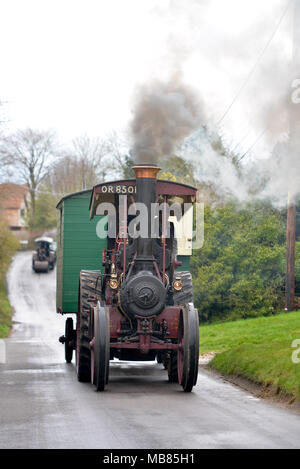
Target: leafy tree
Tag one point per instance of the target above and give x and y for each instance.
(8, 247)
(167, 176)
(46, 213)
(126, 166)
(240, 271)
(179, 168)
(297, 273)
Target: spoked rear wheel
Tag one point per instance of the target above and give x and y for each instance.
(188, 352)
(69, 340)
(100, 350)
(83, 353)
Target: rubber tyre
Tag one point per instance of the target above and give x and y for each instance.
(101, 348)
(83, 352)
(188, 356)
(181, 298)
(69, 337)
(186, 295)
(89, 289)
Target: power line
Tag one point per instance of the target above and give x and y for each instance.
(255, 65)
(253, 145)
(242, 140)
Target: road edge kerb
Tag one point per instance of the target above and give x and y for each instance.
(265, 393)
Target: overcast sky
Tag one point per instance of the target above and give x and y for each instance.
(73, 65)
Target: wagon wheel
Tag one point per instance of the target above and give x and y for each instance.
(69, 340)
(100, 350)
(188, 351)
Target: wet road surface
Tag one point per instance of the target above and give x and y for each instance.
(43, 406)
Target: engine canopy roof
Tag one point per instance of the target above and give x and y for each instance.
(106, 192)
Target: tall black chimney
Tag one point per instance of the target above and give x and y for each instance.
(146, 178)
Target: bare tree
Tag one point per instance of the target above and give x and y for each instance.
(2, 122)
(119, 150)
(80, 167)
(29, 153)
(65, 176)
(91, 156)
(88, 161)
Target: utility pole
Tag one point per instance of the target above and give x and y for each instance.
(294, 137)
(290, 256)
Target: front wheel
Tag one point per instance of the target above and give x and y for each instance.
(188, 352)
(100, 349)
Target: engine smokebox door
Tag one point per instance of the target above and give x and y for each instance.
(143, 295)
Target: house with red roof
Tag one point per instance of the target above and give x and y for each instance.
(14, 200)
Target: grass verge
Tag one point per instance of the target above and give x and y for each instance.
(258, 349)
(5, 311)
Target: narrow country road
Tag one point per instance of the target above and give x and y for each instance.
(43, 406)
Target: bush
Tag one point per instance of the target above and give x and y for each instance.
(8, 247)
(240, 271)
(45, 211)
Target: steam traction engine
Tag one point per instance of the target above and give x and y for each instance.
(139, 307)
(44, 257)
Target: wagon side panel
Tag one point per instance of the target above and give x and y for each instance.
(82, 249)
(59, 259)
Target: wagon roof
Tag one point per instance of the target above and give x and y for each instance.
(73, 194)
(101, 192)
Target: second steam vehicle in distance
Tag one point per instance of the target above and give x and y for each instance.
(44, 256)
